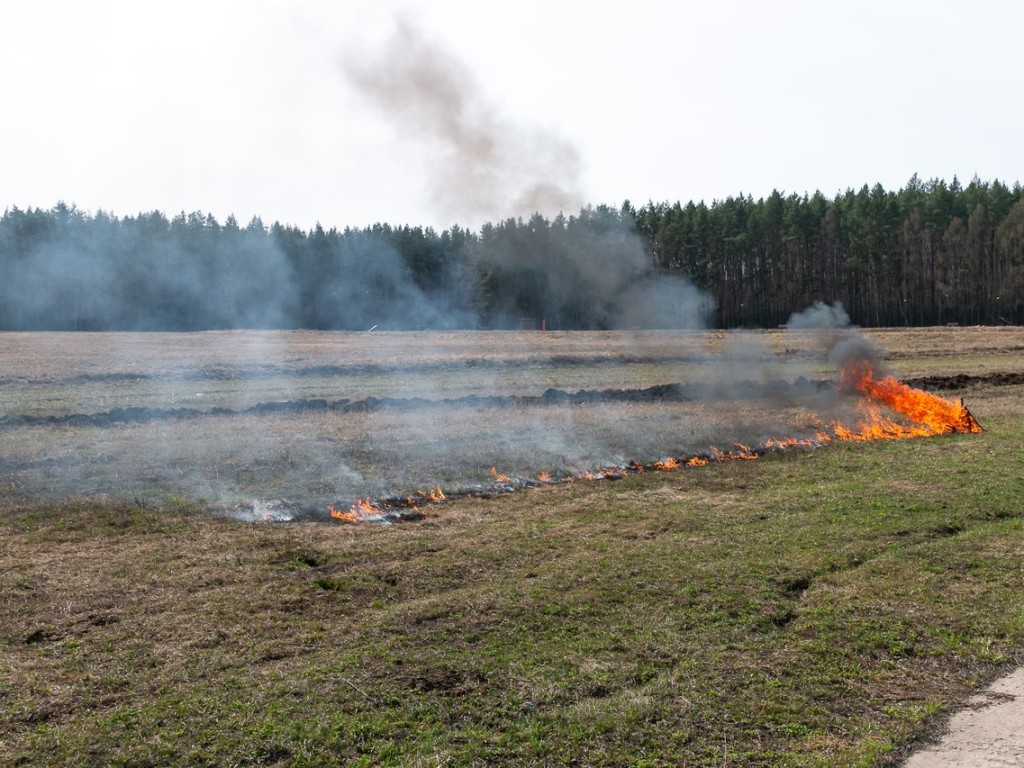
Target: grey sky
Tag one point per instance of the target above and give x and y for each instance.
(251, 107)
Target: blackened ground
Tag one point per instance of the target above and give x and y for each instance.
(667, 393)
(967, 381)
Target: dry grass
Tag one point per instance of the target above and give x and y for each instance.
(315, 459)
(56, 356)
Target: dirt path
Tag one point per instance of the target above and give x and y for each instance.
(987, 733)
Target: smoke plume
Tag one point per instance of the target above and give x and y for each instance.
(480, 165)
(819, 316)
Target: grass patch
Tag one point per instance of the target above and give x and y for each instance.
(813, 608)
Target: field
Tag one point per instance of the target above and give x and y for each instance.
(815, 607)
(295, 422)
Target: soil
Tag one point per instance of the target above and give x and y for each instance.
(966, 381)
(987, 733)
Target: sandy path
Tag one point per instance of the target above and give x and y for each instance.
(987, 733)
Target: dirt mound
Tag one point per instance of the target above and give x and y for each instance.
(967, 381)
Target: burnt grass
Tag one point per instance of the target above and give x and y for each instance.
(802, 387)
(667, 393)
(810, 608)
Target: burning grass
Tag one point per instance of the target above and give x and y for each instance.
(247, 419)
(313, 459)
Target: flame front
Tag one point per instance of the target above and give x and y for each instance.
(356, 513)
(923, 415)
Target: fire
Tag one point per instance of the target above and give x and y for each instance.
(923, 413)
(743, 452)
(434, 495)
(931, 414)
(356, 513)
(920, 414)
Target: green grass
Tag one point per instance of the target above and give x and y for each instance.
(808, 609)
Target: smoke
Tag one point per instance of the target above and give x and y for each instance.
(480, 165)
(65, 270)
(142, 273)
(273, 423)
(854, 348)
(370, 284)
(819, 316)
(590, 271)
(844, 345)
(302, 443)
(665, 302)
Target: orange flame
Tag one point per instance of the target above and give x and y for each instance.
(356, 513)
(664, 465)
(434, 495)
(544, 477)
(931, 414)
(744, 452)
(498, 478)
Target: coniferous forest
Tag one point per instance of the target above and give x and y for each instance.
(929, 253)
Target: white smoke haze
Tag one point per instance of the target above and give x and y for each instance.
(277, 424)
(664, 301)
(480, 165)
(819, 316)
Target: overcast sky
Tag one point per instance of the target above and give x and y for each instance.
(348, 113)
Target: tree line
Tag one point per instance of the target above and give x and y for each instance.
(929, 253)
